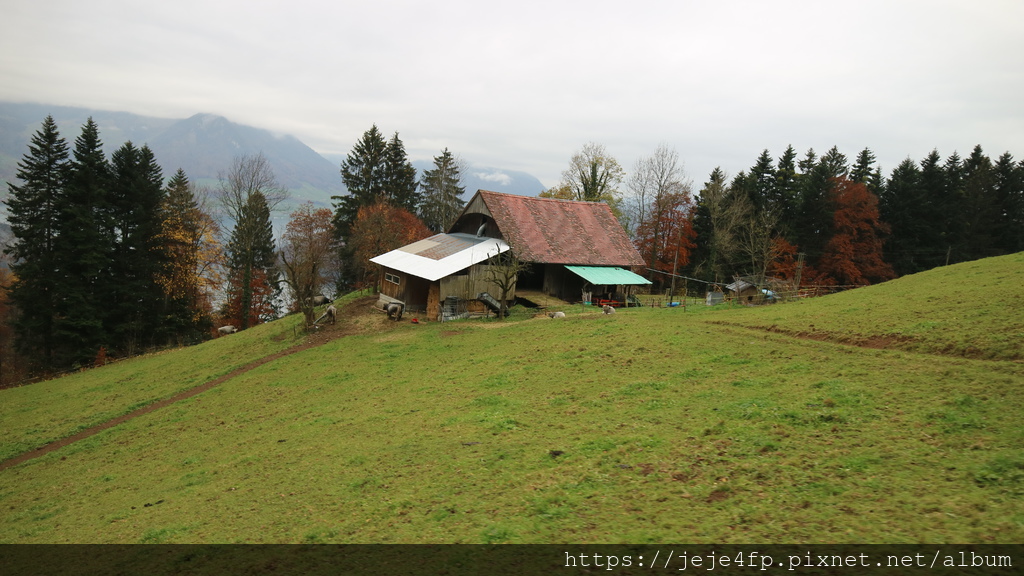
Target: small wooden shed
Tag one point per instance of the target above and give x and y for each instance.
(424, 274)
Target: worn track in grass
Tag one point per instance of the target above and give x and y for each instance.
(876, 342)
(350, 324)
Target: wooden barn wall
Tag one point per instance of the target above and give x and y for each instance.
(467, 286)
(474, 214)
(433, 311)
(561, 283)
(389, 288)
(410, 289)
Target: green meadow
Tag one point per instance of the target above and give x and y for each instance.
(887, 414)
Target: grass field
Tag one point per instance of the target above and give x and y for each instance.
(885, 414)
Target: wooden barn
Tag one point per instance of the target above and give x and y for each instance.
(574, 250)
(444, 267)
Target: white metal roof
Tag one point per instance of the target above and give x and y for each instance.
(441, 255)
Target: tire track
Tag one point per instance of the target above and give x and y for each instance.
(312, 341)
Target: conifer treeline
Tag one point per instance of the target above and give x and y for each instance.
(853, 225)
(105, 260)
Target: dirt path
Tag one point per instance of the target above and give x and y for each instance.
(353, 319)
(875, 342)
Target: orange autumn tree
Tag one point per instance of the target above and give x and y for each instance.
(784, 264)
(380, 228)
(193, 261)
(667, 237)
(853, 255)
(259, 293)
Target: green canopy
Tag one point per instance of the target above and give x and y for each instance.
(607, 275)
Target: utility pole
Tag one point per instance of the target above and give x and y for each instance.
(799, 270)
(675, 264)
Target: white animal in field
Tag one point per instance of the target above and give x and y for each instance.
(318, 300)
(608, 309)
(225, 330)
(556, 315)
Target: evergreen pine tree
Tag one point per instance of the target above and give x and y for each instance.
(902, 205)
(1008, 229)
(981, 211)
(83, 250)
(400, 185)
(33, 216)
(954, 231)
(364, 173)
(442, 193)
(762, 183)
(813, 224)
(862, 170)
(251, 258)
(934, 242)
(834, 163)
(786, 192)
(133, 222)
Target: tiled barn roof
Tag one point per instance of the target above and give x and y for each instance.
(553, 231)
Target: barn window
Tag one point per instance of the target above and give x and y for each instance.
(393, 278)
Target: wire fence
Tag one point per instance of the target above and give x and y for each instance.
(716, 294)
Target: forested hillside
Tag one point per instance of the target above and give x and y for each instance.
(825, 220)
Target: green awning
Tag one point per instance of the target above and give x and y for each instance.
(607, 275)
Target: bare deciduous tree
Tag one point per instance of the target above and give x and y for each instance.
(249, 174)
(593, 175)
(757, 240)
(727, 211)
(248, 194)
(503, 270)
(657, 183)
(308, 255)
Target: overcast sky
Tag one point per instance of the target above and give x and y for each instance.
(523, 85)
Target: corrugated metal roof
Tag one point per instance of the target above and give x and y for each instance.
(553, 231)
(607, 276)
(441, 255)
(739, 286)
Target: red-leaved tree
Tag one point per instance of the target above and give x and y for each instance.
(853, 256)
(261, 308)
(667, 237)
(785, 263)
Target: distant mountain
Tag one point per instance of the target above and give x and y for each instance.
(203, 145)
(18, 122)
(493, 179)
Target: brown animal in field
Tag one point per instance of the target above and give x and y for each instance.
(395, 311)
(332, 313)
